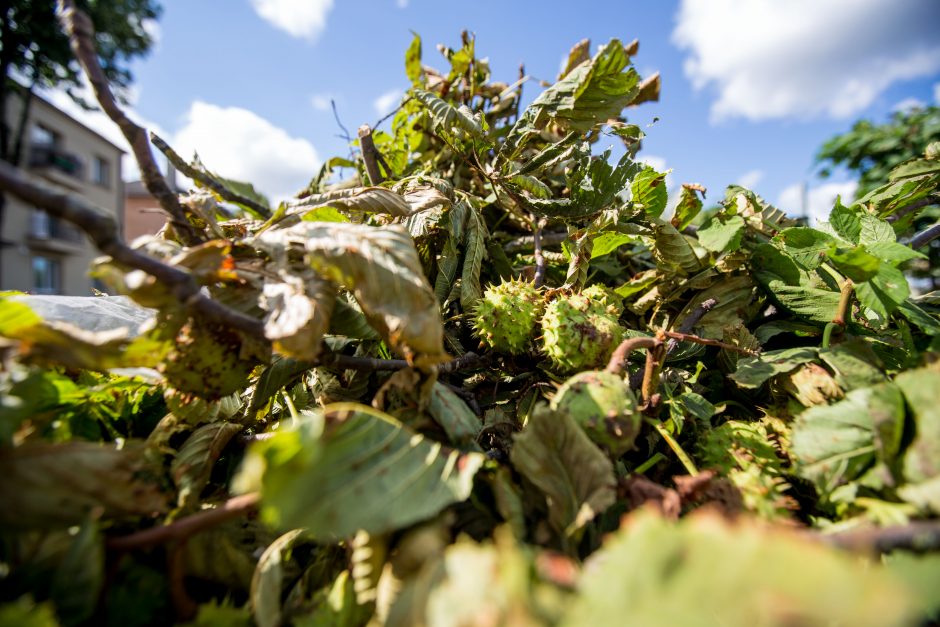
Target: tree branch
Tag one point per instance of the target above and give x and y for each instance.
(102, 230)
(685, 337)
(81, 34)
(691, 320)
(206, 179)
(914, 206)
(527, 242)
(918, 536)
(618, 360)
(925, 237)
(185, 527)
(370, 154)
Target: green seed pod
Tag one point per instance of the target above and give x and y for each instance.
(605, 407)
(506, 316)
(206, 362)
(578, 334)
(610, 302)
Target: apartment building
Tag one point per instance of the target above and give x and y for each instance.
(40, 254)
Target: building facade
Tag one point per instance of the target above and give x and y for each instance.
(40, 254)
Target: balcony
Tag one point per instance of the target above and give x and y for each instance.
(51, 234)
(58, 165)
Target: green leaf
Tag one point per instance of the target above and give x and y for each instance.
(919, 574)
(576, 478)
(673, 250)
(922, 460)
(590, 94)
(353, 467)
(752, 372)
(834, 444)
(381, 267)
(25, 613)
(593, 188)
(79, 577)
(807, 247)
(722, 235)
(918, 317)
(336, 606)
(530, 184)
(875, 231)
(846, 222)
(460, 424)
(470, 290)
(609, 241)
(856, 263)
(649, 191)
(688, 208)
(894, 253)
(413, 60)
(884, 292)
(268, 580)
(40, 490)
(816, 305)
(193, 463)
(446, 117)
(705, 571)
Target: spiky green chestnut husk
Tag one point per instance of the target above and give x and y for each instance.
(605, 408)
(607, 299)
(577, 334)
(206, 362)
(506, 316)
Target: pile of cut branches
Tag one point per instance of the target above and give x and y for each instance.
(487, 377)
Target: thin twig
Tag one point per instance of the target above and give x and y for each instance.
(925, 237)
(81, 34)
(183, 528)
(392, 112)
(918, 536)
(691, 320)
(372, 364)
(206, 179)
(346, 136)
(102, 230)
(685, 337)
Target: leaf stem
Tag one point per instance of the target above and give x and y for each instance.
(681, 454)
(619, 358)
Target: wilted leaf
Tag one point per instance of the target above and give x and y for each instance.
(576, 478)
(452, 414)
(56, 485)
(688, 207)
(705, 571)
(381, 267)
(470, 290)
(674, 251)
(357, 468)
(299, 306)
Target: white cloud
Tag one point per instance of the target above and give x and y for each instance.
(749, 180)
(304, 19)
(909, 103)
(804, 58)
(818, 200)
(320, 102)
(401, 4)
(239, 144)
(387, 101)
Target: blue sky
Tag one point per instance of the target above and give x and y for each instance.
(751, 88)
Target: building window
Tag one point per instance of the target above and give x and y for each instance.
(47, 275)
(41, 226)
(101, 172)
(42, 136)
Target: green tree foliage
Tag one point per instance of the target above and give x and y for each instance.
(872, 151)
(35, 51)
(371, 448)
